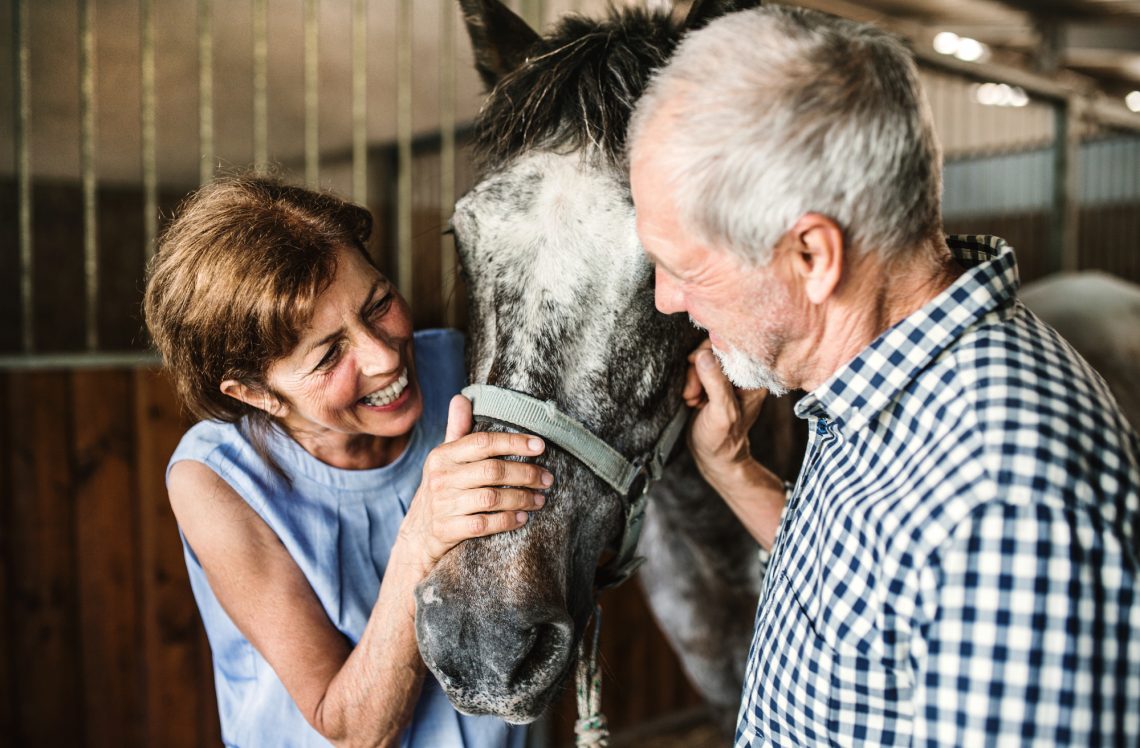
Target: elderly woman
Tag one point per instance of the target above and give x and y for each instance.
(331, 470)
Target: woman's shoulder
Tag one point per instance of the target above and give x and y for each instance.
(208, 441)
(440, 343)
(228, 450)
(440, 365)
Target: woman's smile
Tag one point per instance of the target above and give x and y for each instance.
(391, 397)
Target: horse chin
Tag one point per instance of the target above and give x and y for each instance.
(521, 705)
(499, 619)
(490, 659)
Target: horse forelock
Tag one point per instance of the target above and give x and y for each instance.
(577, 89)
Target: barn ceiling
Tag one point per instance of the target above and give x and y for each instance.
(1091, 46)
(1098, 40)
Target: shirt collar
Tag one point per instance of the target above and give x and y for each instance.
(865, 385)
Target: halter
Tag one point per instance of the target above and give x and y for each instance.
(545, 420)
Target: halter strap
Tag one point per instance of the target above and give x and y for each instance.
(546, 420)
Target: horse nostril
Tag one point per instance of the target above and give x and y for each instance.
(544, 654)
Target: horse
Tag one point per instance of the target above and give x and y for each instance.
(560, 300)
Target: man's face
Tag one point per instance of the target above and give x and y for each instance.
(748, 310)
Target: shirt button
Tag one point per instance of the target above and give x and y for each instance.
(821, 427)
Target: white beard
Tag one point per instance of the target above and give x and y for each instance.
(748, 373)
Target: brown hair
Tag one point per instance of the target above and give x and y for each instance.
(234, 283)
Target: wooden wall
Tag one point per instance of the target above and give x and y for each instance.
(100, 641)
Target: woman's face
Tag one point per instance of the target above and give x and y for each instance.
(353, 372)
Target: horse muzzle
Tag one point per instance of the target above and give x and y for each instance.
(491, 657)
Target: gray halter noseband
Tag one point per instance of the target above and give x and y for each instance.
(545, 420)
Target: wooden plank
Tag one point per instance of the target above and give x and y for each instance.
(7, 686)
(121, 268)
(427, 301)
(42, 606)
(58, 281)
(107, 557)
(11, 303)
(170, 638)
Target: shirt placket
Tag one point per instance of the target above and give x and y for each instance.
(818, 438)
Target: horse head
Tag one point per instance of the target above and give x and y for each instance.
(560, 300)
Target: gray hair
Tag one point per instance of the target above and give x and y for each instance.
(776, 112)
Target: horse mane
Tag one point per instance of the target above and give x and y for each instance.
(577, 88)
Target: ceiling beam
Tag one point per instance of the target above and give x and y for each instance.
(1079, 91)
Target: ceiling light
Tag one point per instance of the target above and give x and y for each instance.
(969, 50)
(1132, 101)
(946, 42)
(1001, 94)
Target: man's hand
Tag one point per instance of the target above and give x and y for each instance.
(718, 431)
(718, 441)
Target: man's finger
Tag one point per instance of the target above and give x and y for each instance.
(751, 401)
(722, 398)
(693, 391)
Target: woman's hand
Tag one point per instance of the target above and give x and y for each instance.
(463, 494)
(718, 430)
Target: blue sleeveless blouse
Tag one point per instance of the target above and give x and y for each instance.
(339, 526)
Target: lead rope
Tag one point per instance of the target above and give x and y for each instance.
(590, 730)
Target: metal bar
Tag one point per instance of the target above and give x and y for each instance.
(23, 172)
(312, 100)
(205, 92)
(447, 158)
(1064, 252)
(260, 85)
(360, 102)
(94, 359)
(148, 104)
(404, 149)
(87, 170)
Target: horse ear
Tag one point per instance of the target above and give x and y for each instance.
(499, 38)
(703, 11)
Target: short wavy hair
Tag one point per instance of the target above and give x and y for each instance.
(776, 112)
(234, 282)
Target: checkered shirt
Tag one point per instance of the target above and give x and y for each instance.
(958, 560)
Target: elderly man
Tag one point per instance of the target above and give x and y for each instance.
(957, 562)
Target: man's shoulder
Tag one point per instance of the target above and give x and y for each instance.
(1044, 424)
(1017, 369)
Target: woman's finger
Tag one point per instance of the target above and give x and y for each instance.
(498, 499)
(483, 444)
(459, 418)
(500, 473)
(479, 525)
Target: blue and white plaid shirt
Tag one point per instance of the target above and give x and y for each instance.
(957, 564)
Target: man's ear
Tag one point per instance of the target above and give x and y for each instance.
(255, 397)
(817, 246)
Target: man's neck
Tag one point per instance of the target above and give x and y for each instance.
(874, 296)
